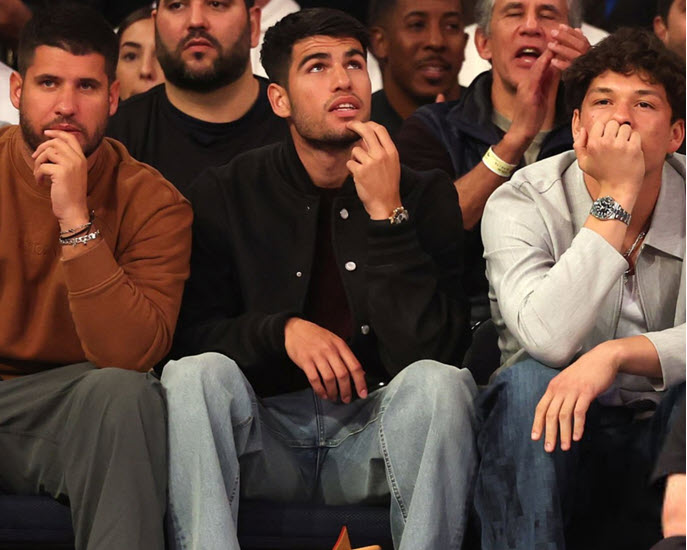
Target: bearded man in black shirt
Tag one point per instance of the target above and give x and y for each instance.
(323, 268)
(211, 107)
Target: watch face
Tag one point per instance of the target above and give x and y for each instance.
(606, 208)
(603, 208)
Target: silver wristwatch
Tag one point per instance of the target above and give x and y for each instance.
(607, 208)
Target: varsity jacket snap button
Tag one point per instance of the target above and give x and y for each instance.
(350, 266)
(365, 329)
(299, 274)
(343, 213)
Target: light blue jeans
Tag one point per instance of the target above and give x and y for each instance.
(411, 442)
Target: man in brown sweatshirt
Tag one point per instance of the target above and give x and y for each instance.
(94, 252)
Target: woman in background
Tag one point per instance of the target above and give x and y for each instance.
(137, 67)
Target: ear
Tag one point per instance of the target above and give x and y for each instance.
(660, 28)
(378, 43)
(576, 123)
(254, 20)
(113, 97)
(677, 131)
(279, 100)
(482, 43)
(16, 84)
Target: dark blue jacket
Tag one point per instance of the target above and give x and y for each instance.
(454, 136)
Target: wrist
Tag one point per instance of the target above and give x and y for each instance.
(615, 351)
(73, 219)
(512, 147)
(624, 197)
(382, 211)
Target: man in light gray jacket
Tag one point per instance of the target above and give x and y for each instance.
(584, 258)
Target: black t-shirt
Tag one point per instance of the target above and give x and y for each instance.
(180, 146)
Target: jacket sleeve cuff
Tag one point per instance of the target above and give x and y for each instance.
(277, 328)
(670, 346)
(392, 244)
(90, 269)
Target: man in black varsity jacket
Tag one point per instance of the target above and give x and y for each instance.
(323, 268)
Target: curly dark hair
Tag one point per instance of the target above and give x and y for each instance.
(280, 38)
(628, 51)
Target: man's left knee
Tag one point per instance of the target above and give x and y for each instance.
(437, 388)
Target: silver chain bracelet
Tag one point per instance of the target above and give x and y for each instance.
(83, 239)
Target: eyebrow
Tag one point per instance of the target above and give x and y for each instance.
(322, 55)
(602, 90)
(424, 14)
(512, 5)
(43, 76)
(131, 44)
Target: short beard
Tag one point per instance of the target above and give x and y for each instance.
(226, 69)
(330, 142)
(323, 139)
(34, 139)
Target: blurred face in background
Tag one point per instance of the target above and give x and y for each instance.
(421, 47)
(518, 34)
(672, 30)
(137, 68)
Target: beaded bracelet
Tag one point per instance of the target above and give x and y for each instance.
(497, 165)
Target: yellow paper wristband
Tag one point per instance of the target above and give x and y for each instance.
(500, 167)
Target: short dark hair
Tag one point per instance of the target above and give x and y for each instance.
(378, 11)
(628, 51)
(134, 17)
(279, 39)
(662, 8)
(75, 28)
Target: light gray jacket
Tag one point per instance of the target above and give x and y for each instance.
(556, 288)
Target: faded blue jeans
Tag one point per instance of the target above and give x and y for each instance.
(597, 495)
(411, 442)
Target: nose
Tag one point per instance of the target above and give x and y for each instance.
(435, 36)
(197, 18)
(341, 80)
(66, 104)
(531, 24)
(622, 114)
(148, 69)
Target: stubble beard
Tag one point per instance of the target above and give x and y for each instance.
(226, 69)
(318, 135)
(33, 138)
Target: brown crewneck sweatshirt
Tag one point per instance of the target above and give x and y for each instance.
(116, 304)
